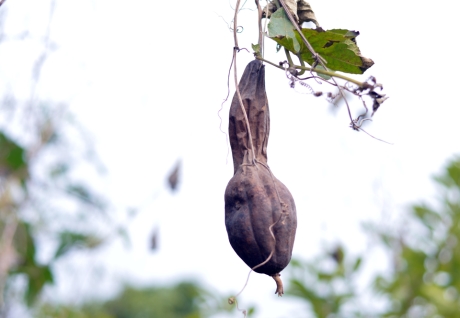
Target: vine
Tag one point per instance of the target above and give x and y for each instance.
(324, 54)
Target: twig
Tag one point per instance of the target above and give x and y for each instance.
(264, 31)
(235, 49)
(260, 42)
(375, 137)
(332, 74)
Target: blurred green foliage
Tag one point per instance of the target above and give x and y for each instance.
(41, 197)
(425, 281)
(183, 300)
(326, 283)
(423, 255)
(37, 274)
(40, 201)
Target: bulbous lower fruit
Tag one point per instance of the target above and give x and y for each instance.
(252, 206)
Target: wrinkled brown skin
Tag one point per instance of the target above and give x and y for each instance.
(254, 198)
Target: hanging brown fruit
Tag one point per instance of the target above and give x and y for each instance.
(260, 214)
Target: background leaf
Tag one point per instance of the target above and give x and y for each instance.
(12, 157)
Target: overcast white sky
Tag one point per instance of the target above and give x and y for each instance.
(148, 78)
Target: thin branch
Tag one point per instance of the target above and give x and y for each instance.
(235, 49)
(332, 74)
(264, 31)
(375, 137)
(268, 62)
(260, 42)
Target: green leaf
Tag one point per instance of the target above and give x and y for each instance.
(12, 157)
(298, 288)
(37, 276)
(357, 264)
(85, 195)
(451, 177)
(296, 263)
(338, 47)
(280, 28)
(70, 240)
(256, 48)
(24, 243)
(59, 170)
(80, 191)
(428, 217)
(339, 50)
(322, 276)
(123, 233)
(338, 255)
